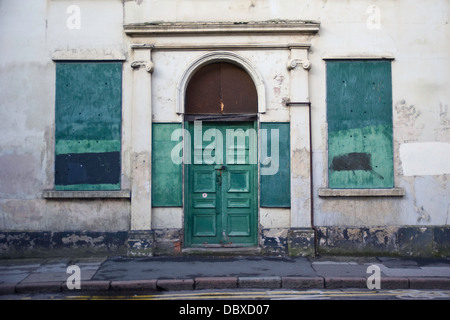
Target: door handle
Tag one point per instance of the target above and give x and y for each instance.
(219, 174)
(219, 178)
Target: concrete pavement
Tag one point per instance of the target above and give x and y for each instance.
(151, 274)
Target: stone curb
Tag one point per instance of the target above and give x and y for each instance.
(134, 285)
(93, 286)
(216, 283)
(38, 287)
(199, 283)
(259, 282)
(395, 283)
(345, 282)
(302, 282)
(175, 284)
(429, 283)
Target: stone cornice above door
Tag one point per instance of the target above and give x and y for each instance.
(297, 27)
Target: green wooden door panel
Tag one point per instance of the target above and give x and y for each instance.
(359, 115)
(205, 225)
(239, 194)
(202, 203)
(238, 181)
(204, 180)
(220, 195)
(238, 225)
(279, 196)
(238, 202)
(166, 175)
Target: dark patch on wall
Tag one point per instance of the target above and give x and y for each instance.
(87, 168)
(353, 161)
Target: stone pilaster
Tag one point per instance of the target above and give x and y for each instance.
(300, 138)
(141, 238)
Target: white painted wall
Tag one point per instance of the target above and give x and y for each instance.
(425, 158)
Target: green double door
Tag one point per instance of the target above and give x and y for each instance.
(221, 185)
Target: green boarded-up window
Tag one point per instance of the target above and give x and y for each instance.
(359, 115)
(88, 125)
(166, 173)
(275, 189)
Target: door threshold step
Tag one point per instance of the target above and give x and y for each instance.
(222, 251)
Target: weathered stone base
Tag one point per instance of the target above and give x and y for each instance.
(168, 241)
(429, 241)
(292, 242)
(414, 241)
(16, 244)
(301, 242)
(274, 241)
(29, 244)
(140, 243)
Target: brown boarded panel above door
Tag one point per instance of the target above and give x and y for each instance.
(221, 88)
(238, 90)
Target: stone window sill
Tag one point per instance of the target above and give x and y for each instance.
(101, 194)
(394, 192)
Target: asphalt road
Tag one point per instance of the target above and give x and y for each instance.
(232, 304)
(253, 295)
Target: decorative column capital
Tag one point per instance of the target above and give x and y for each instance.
(149, 66)
(292, 64)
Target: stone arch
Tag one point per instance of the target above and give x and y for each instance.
(221, 56)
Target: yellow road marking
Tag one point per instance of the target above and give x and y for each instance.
(246, 295)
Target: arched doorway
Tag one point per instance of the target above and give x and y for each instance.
(221, 88)
(221, 105)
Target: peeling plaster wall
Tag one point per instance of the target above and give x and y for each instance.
(414, 35)
(33, 31)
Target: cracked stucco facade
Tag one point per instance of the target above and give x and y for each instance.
(37, 34)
